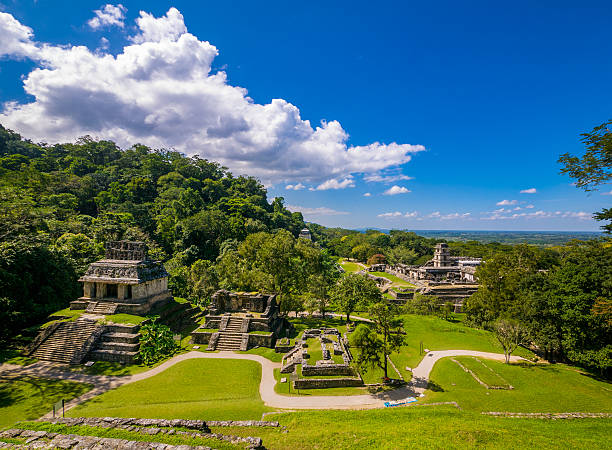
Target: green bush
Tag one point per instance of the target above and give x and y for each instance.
(156, 342)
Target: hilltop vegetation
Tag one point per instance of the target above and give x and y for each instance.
(60, 203)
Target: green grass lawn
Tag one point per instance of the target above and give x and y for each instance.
(396, 281)
(425, 427)
(266, 353)
(483, 370)
(350, 267)
(440, 334)
(29, 398)
(204, 389)
(124, 319)
(537, 388)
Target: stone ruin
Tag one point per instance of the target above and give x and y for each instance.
(332, 343)
(125, 281)
(241, 320)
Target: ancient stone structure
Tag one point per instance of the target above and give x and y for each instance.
(305, 234)
(125, 281)
(243, 320)
(331, 344)
(443, 267)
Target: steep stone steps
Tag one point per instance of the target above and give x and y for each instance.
(103, 308)
(118, 343)
(127, 338)
(65, 343)
(229, 341)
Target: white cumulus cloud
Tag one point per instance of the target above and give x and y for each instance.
(295, 187)
(335, 184)
(107, 16)
(395, 190)
(390, 215)
(320, 211)
(606, 193)
(529, 191)
(161, 91)
(507, 202)
(367, 194)
(378, 178)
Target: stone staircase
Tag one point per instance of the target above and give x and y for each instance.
(101, 308)
(230, 338)
(118, 343)
(66, 343)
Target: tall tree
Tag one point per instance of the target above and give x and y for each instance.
(353, 291)
(384, 337)
(594, 168)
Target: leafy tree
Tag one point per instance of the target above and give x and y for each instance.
(354, 291)
(510, 335)
(382, 339)
(447, 310)
(594, 167)
(363, 252)
(203, 281)
(156, 342)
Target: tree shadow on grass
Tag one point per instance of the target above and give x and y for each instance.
(434, 387)
(40, 393)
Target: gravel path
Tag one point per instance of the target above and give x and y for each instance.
(102, 383)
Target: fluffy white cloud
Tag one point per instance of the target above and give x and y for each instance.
(335, 184)
(507, 202)
(506, 215)
(16, 38)
(378, 178)
(367, 194)
(295, 187)
(529, 191)
(108, 15)
(529, 207)
(397, 214)
(160, 91)
(395, 190)
(450, 216)
(606, 193)
(320, 211)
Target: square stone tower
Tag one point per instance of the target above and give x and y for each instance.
(125, 281)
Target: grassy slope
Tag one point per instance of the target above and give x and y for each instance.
(30, 398)
(396, 281)
(537, 388)
(440, 334)
(433, 427)
(350, 267)
(204, 389)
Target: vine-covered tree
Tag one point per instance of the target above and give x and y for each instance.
(594, 167)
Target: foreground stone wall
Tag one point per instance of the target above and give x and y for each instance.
(327, 369)
(325, 383)
(261, 340)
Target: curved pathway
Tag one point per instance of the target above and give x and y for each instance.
(418, 384)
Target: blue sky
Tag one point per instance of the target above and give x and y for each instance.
(463, 104)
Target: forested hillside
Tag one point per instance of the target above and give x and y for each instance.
(60, 203)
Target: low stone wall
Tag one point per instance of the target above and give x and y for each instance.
(261, 340)
(201, 337)
(325, 383)
(46, 439)
(282, 348)
(327, 369)
(259, 324)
